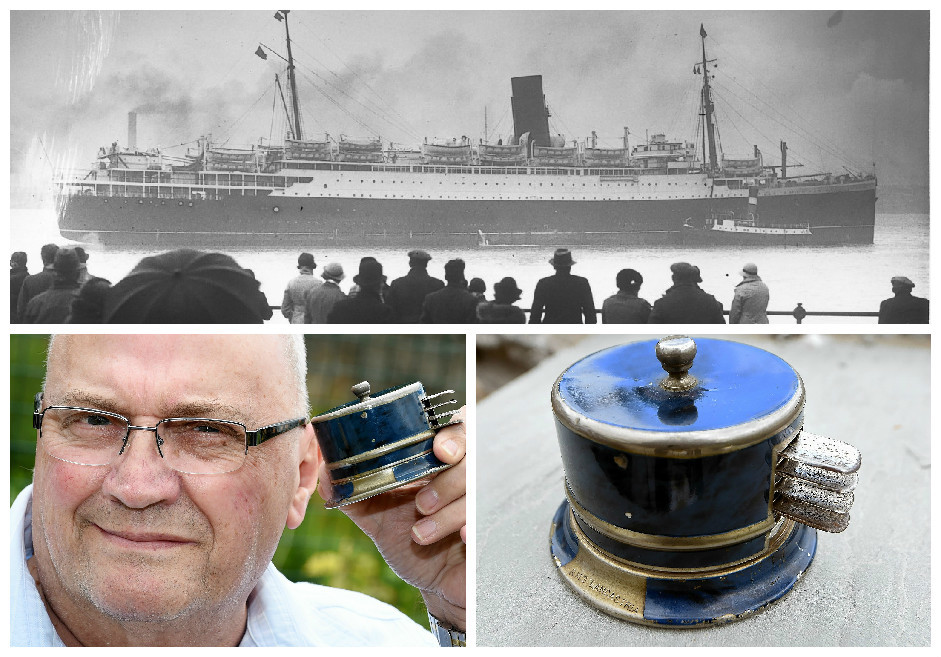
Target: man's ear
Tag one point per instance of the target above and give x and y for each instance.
(310, 459)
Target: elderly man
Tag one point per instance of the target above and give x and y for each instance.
(143, 527)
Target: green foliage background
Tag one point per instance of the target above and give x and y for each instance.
(327, 548)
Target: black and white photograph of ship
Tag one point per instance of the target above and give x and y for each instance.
(631, 135)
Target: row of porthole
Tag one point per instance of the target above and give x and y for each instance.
(519, 184)
(475, 198)
(141, 202)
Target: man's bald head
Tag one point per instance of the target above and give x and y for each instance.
(294, 352)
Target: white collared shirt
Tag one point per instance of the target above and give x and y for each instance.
(280, 612)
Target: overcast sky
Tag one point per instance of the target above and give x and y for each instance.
(848, 88)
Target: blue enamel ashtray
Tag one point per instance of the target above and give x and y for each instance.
(692, 492)
(380, 442)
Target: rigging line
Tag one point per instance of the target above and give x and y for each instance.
(565, 129)
(274, 108)
(375, 111)
(692, 84)
(828, 148)
(735, 127)
(343, 110)
(340, 107)
(368, 103)
(234, 123)
(800, 157)
(365, 107)
(356, 76)
(800, 130)
(496, 129)
(800, 120)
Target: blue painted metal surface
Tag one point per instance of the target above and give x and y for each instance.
(738, 383)
(359, 441)
(661, 512)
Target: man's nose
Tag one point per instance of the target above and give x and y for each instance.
(140, 477)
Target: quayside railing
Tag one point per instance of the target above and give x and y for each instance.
(799, 313)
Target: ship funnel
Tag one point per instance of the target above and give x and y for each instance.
(132, 131)
(529, 110)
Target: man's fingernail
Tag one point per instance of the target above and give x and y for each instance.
(426, 500)
(450, 448)
(424, 529)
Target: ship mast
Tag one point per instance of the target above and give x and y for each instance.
(283, 15)
(707, 105)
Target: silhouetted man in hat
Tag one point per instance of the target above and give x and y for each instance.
(685, 302)
(37, 283)
(367, 306)
(83, 275)
(501, 310)
(54, 305)
(407, 293)
(453, 304)
(903, 308)
(564, 297)
(18, 273)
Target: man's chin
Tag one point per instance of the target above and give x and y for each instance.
(144, 599)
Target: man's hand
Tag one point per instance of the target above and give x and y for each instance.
(420, 528)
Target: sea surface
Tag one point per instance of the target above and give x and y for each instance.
(851, 278)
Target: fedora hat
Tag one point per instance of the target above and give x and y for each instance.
(561, 258)
(370, 272)
(306, 260)
(506, 291)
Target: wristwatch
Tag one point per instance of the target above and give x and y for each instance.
(447, 637)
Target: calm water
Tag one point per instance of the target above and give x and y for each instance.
(850, 278)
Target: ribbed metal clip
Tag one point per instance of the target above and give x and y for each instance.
(815, 480)
(434, 418)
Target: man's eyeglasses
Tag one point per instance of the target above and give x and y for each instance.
(192, 445)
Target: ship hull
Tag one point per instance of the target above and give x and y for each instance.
(835, 216)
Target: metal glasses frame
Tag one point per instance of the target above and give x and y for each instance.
(252, 438)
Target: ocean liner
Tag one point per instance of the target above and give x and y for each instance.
(536, 189)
